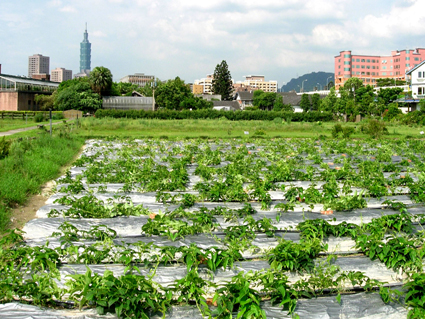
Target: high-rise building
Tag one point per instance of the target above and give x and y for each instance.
(38, 64)
(60, 75)
(258, 82)
(368, 68)
(85, 54)
(203, 86)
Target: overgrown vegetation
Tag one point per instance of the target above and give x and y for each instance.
(29, 163)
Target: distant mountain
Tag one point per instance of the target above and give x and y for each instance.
(311, 83)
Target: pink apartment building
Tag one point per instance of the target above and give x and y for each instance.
(368, 68)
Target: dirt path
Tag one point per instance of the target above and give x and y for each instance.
(19, 130)
(23, 214)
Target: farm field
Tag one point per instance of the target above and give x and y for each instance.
(258, 228)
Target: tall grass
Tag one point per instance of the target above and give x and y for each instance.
(94, 127)
(31, 163)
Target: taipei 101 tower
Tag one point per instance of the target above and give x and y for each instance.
(85, 54)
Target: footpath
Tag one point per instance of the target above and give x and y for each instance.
(18, 130)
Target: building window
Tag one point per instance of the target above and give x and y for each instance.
(420, 90)
(362, 66)
(419, 74)
(357, 60)
(384, 68)
(346, 69)
(363, 60)
(368, 60)
(347, 62)
(407, 64)
(347, 55)
(416, 59)
(357, 73)
(384, 73)
(407, 58)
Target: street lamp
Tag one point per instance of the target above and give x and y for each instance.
(302, 85)
(320, 86)
(327, 82)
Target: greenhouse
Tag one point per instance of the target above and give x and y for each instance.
(17, 83)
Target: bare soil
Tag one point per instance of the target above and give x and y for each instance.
(23, 214)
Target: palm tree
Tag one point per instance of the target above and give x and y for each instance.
(101, 80)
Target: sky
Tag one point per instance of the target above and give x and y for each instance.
(280, 39)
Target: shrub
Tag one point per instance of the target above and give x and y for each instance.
(374, 128)
(39, 117)
(336, 130)
(4, 147)
(58, 116)
(347, 131)
(392, 112)
(260, 131)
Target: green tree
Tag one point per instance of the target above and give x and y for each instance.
(329, 102)
(365, 96)
(305, 102)
(176, 95)
(278, 103)
(100, 79)
(147, 90)
(389, 95)
(77, 95)
(264, 100)
(222, 81)
(315, 101)
(389, 82)
(45, 102)
(352, 85)
(124, 88)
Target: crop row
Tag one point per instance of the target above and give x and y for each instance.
(232, 225)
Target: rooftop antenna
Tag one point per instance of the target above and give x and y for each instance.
(86, 26)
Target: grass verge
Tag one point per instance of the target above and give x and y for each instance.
(31, 163)
(9, 124)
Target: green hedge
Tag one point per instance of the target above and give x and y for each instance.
(213, 114)
(29, 112)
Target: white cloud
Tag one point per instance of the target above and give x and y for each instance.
(399, 21)
(55, 3)
(98, 34)
(330, 35)
(68, 9)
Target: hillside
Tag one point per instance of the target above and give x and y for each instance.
(312, 80)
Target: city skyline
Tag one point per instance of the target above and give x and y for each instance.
(280, 39)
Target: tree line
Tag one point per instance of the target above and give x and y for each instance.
(86, 94)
